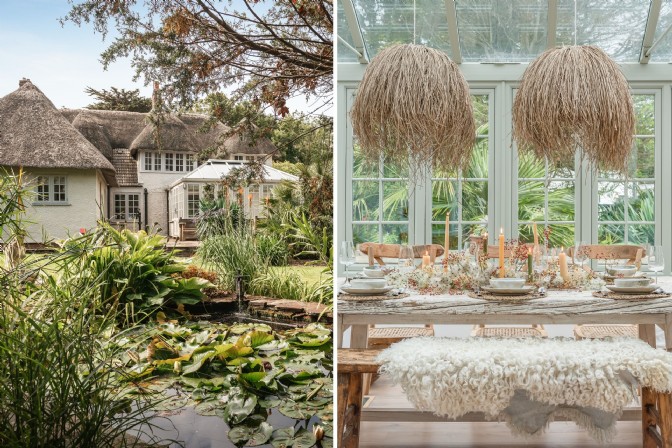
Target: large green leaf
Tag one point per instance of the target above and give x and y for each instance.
(286, 437)
(251, 436)
(239, 407)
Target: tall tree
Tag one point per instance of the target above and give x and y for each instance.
(267, 51)
(119, 99)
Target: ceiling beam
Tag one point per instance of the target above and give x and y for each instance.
(552, 23)
(355, 31)
(453, 31)
(650, 32)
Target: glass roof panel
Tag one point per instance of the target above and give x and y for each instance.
(502, 31)
(343, 53)
(386, 22)
(663, 51)
(616, 26)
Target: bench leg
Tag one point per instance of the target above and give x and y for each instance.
(656, 419)
(343, 386)
(349, 409)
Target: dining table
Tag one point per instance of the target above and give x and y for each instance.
(556, 307)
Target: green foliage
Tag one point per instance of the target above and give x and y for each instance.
(272, 248)
(119, 99)
(309, 239)
(137, 274)
(231, 253)
(239, 373)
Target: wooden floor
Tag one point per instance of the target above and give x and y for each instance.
(473, 435)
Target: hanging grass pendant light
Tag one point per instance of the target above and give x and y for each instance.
(414, 104)
(573, 98)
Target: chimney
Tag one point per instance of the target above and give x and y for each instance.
(22, 81)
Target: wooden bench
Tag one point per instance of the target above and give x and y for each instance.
(187, 230)
(656, 412)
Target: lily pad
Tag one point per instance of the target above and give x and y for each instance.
(239, 407)
(251, 436)
(286, 437)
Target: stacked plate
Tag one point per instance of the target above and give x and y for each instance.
(367, 287)
(508, 287)
(633, 285)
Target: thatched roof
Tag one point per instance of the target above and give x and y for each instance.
(173, 135)
(33, 133)
(243, 143)
(206, 140)
(127, 169)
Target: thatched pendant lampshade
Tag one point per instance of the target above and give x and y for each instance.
(575, 98)
(413, 103)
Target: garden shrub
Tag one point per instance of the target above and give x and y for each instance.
(272, 248)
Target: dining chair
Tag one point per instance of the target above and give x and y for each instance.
(633, 254)
(535, 330)
(383, 337)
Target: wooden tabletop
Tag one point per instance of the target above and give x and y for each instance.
(558, 307)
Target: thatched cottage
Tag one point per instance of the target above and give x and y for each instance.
(87, 165)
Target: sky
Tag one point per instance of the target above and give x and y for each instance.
(61, 60)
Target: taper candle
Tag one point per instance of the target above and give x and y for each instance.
(485, 243)
(426, 261)
(446, 242)
(501, 253)
(562, 261)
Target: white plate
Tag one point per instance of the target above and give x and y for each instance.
(366, 291)
(633, 290)
(509, 291)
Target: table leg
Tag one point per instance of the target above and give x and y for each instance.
(340, 332)
(359, 338)
(667, 329)
(647, 333)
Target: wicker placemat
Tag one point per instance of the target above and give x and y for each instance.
(356, 298)
(617, 296)
(503, 298)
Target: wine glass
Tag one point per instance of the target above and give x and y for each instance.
(656, 260)
(346, 256)
(406, 258)
(581, 253)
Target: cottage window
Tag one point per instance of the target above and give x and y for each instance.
(169, 161)
(179, 162)
(157, 162)
(51, 189)
(126, 207)
(238, 157)
(148, 161)
(42, 189)
(191, 163)
(193, 200)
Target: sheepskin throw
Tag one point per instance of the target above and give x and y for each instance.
(528, 382)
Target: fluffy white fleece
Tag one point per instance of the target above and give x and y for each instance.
(451, 377)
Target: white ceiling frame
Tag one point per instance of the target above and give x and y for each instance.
(355, 31)
(552, 23)
(453, 31)
(650, 32)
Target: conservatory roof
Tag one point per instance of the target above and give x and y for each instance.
(511, 31)
(215, 170)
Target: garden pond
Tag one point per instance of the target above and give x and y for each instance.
(231, 385)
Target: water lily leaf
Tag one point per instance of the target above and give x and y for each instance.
(239, 407)
(270, 402)
(252, 436)
(309, 340)
(242, 328)
(297, 410)
(328, 430)
(210, 407)
(257, 338)
(275, 345)
(285, 438)
(253, 377)
(327, 442)
(326, 414)
(198, 359)
(171, 403)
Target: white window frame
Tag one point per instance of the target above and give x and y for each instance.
(148, 163)
(190, 187)
(51, 193)
(125, 195)
(503, 172)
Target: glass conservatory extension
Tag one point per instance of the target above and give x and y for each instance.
(493, 41)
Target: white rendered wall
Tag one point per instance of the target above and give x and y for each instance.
(80, 211)
(156, 183)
